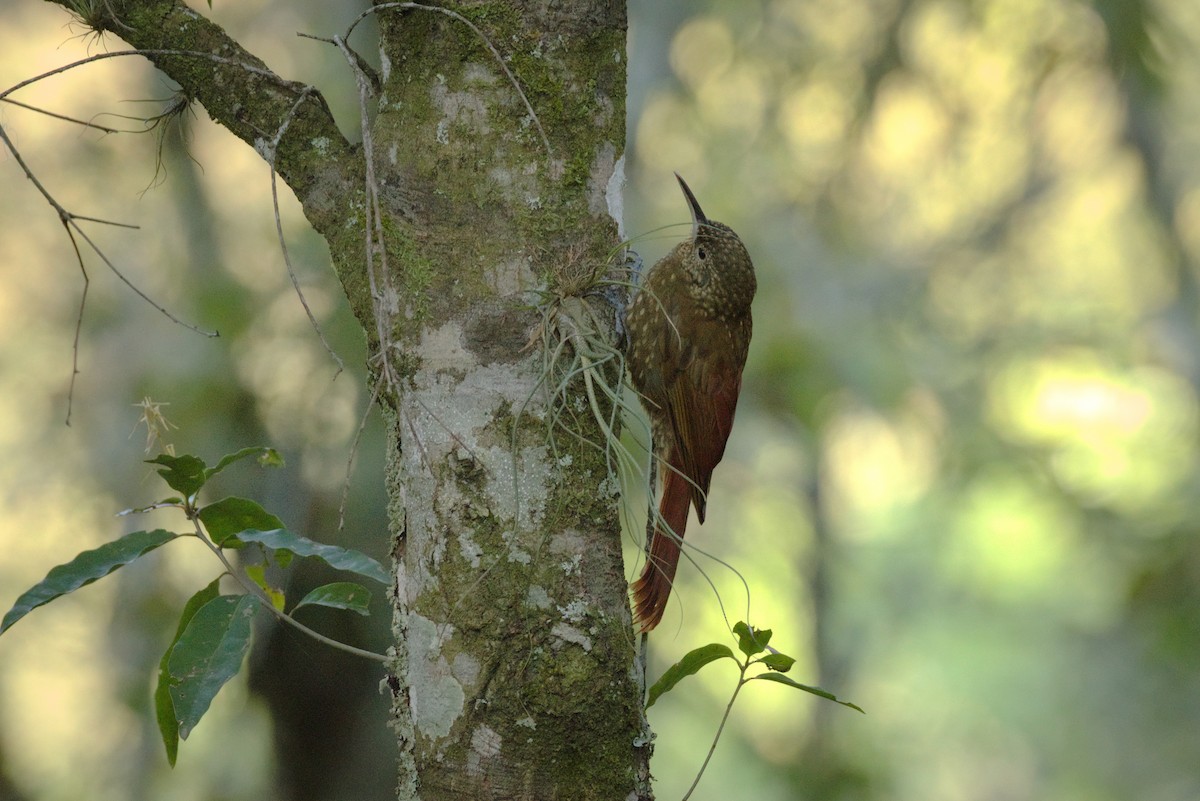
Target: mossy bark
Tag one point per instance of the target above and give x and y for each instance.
(515, 673)
(512, 599)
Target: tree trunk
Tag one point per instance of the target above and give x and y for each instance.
(515, 672)
(511, 603)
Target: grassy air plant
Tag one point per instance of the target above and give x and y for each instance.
(583, 304)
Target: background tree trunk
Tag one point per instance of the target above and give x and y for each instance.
(515, 657)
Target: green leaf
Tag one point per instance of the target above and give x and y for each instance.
(781, 662)
(185, 474)
(341, 558)
(691, 662)
(231, 515)
(84, 569)
(208, 654)
(751, 642)
(267, 457)
(779, 678)
(339, 595)
(258, 574)
(164, 709)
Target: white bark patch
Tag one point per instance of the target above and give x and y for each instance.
(479, 75)
(436, 696)
(520, 185)
(511, 277)
(599, 177)
(448, 424)
(485, 746)
(614, 196)
(465, 107)
(568, 633)
(574, 611)
(569, 543)
(444, 348)
(517, 554)
(469, 549)
(524, 500)
(538, 598)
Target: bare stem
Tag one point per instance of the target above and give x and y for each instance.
(287, 259)
(70, 222)
(63, 117)
(362, 425)
(258, 593)
(384, 301)
(724, 718)
(78, 321)
(108, 263)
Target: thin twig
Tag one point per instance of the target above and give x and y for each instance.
(132, 286)
(362, 425)
(712, 748)
(70, 224)
(373, 226)
(412, 429)
(62, 117)
(63, 214)
(287, 259)
(78, 322)
(113, 223)
(304, 93)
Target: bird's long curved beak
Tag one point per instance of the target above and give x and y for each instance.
(698, 217)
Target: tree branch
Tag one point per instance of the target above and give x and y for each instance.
(241, 93)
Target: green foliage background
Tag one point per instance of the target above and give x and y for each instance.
(961, 483)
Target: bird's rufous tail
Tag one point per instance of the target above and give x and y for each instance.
(653, 587)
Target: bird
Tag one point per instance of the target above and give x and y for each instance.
(688, 333)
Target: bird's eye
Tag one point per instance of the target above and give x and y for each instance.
(700, 254)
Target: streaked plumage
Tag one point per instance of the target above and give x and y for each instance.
(689, 331)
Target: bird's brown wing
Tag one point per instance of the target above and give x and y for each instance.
(702, 400)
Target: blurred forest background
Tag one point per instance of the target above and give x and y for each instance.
(962, 480)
